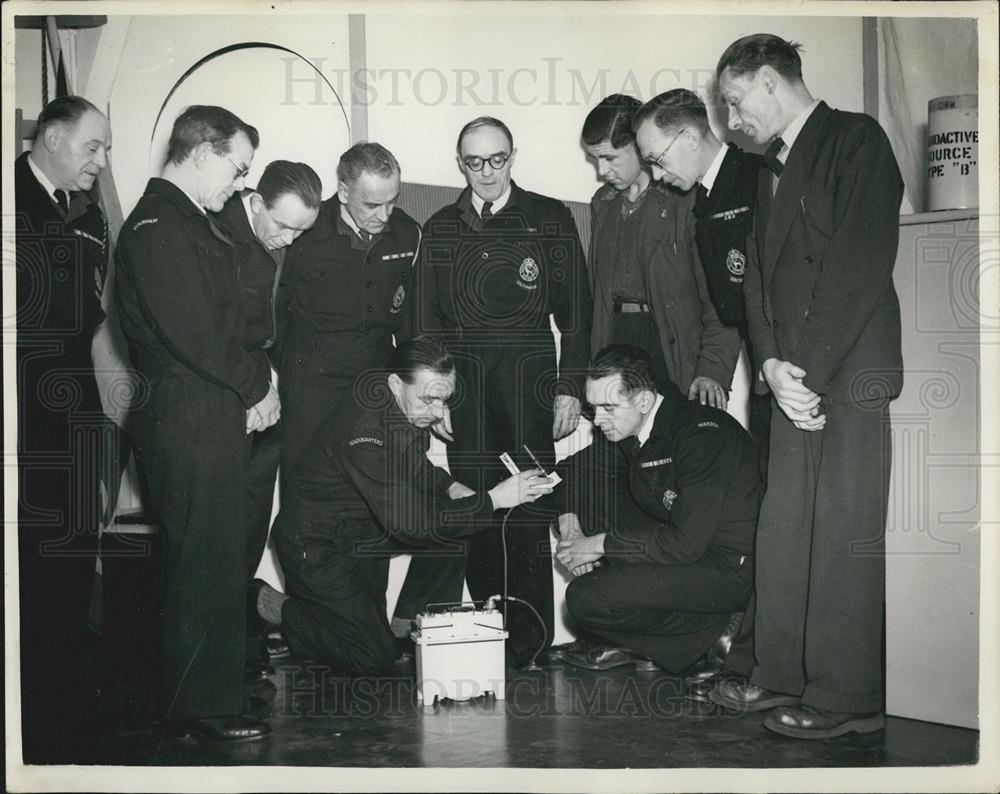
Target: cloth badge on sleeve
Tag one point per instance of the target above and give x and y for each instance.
(668, 498)
(736, 262)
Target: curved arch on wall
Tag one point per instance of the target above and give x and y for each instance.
(282, 128)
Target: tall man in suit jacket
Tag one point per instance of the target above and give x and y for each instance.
(725, 180)
(824, 319)
(62, 255)
(263, 222)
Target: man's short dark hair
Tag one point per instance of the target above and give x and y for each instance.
(373, 158)
(673, 110)
(283, 176)
(632, 364)
(63, 110)
(420, 352)
(484, 121)
(206, 123)
(611, 121)
(748, 54)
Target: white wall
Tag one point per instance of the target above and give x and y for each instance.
(542, 73)
(292, 123)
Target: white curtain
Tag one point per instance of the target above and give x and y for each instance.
(920, 59)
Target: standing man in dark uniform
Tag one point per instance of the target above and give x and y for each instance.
(203, 393)
(348, 294)
(363, 490)
(678, 558)
(824, 320)
(62, 256)
(494, 267)
(262, 223)
(725, 179)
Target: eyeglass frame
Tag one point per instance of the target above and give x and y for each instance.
(659, 157)
(505, 159)
(242, 172)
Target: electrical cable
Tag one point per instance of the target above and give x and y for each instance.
(533, 664)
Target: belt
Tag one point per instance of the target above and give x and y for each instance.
(629, 308)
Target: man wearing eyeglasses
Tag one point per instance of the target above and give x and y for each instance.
(201, 395)
(262, 223)
(672, 129)
(495, 266)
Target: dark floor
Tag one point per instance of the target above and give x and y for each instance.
(558, 717)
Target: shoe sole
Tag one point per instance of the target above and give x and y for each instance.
(866, 725)
(205, 737)
(758, 705)
(594, 667)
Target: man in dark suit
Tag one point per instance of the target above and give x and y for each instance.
(674, 127)
(263, 222)
(62, 255)
(178, 299)
(824, 319)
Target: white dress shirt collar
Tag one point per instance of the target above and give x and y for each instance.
(792, 130)
(499, 204)
(647, 426)
(713, 170)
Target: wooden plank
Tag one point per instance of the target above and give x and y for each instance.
(63, 21)
(357, 52)
(869, 65)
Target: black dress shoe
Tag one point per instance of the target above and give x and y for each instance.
(700, 689)
(602, 657)
(738, 694)
(224, 729)
(276, 646)
(806, 722)
(708, 665)
(557, 652)
(404, 650)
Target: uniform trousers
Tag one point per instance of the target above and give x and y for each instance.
(336, 573)
(338, 374)
(504, 401)
(669, 613)
(821, 559)
(191, 441)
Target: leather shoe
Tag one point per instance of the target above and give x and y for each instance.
(700, 689)
(601, 657)
(807, 722)
(404, 650)
(557, 652)
(224, 729)
(706, 666)
(738, 694)
(276, 646)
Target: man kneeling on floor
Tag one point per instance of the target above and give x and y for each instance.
(363, 490)
(676, 557)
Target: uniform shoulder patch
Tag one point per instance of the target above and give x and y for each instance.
(377, 442)
(144, 222)
(709, 423)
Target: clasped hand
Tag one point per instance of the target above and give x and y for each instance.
(798, 402)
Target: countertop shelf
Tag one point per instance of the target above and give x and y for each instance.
(939, 216)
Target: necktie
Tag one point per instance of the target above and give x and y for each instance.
(62, 201)
(771, 157)
(701, 197)
(487, 212)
